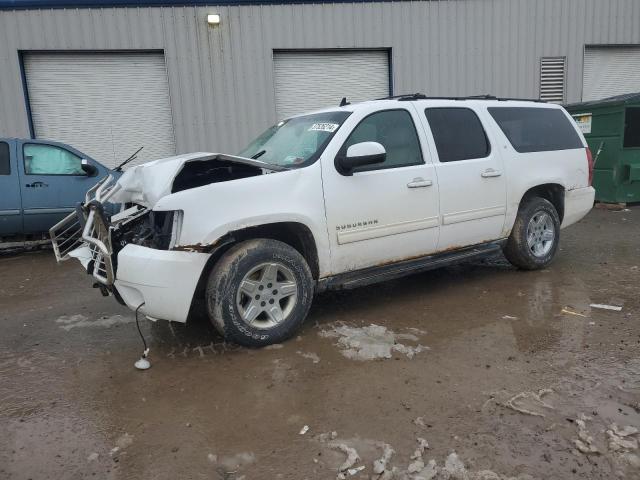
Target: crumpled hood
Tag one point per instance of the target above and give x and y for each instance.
(147, 183)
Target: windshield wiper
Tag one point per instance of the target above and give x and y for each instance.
(258, 155)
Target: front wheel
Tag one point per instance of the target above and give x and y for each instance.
(259, 293)
(535, 235)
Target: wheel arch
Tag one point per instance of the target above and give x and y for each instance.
(295, 234)
(553, 192)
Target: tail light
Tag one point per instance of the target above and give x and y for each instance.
(590, 165)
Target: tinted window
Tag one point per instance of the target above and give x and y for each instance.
(458, 134)
(395, 131)
(632, 127)
(5, 160)
(536, 129)
(50, 160)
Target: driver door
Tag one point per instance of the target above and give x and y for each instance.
(384, 212)
(52, 183)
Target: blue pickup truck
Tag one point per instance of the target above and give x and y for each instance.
(40, 183)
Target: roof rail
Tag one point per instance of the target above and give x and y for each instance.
(407, 97)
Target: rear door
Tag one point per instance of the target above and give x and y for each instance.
(52, 182)
(10, 205)
(470, 176)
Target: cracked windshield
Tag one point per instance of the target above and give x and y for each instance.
(295, 142)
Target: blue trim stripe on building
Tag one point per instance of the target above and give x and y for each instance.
(41, 4)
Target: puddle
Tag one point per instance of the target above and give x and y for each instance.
(372, 342)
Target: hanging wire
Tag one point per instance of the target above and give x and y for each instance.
(144, 342)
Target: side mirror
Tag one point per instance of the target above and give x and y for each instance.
(358, 155)
(89, 169)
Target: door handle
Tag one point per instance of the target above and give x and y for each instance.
(490, 172)
(419, 182)
(36, 185)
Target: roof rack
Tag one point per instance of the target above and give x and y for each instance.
(421, 96)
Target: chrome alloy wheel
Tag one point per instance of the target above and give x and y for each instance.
(541, 233)
(267, 295)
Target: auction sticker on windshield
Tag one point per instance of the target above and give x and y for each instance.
(324, 127)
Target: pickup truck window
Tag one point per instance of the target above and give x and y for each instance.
(42, 159)
(395, 131)
(458, 134)
(5, 161)
(296, 142)
(536, 129)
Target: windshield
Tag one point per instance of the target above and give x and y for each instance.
(295, 142)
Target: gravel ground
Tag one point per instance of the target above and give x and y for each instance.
(500, 373)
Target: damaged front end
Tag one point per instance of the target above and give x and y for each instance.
(144, 239)
(94, 236)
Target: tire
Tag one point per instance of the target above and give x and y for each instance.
(259, 293)
(530, 246)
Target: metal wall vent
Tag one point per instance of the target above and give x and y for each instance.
(552, 79)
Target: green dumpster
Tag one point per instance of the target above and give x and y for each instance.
(612, 129)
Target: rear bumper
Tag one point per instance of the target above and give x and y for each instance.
(577, 203)
(164, 281)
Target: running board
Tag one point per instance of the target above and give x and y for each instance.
(367, 276)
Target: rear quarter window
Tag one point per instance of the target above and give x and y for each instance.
(531, 129)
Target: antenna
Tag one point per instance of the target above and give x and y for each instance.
(130, 159)
(344, 102)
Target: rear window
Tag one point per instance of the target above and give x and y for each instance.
(458, 134)
(5, 167)
(632, 127)
(536, 129)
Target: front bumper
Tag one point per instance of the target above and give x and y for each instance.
(165, 281)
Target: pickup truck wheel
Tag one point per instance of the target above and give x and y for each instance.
(259, 292)
(535, 235)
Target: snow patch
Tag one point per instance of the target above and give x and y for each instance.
(73, 321)
(372, 342)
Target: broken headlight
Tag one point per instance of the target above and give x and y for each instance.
(156, 229)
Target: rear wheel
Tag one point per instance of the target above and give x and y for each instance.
(259, 293)
(535, 235)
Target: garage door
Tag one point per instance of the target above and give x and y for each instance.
(610, 71)
(106, 105)
(316, 79)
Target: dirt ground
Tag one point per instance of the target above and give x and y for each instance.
(513, 371)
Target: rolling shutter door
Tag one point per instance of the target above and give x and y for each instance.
(311, 80)
(610, 71)
(106, 105)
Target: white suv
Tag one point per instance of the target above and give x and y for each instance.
(338, 198)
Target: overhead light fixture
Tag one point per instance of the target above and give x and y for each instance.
(213, 19)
